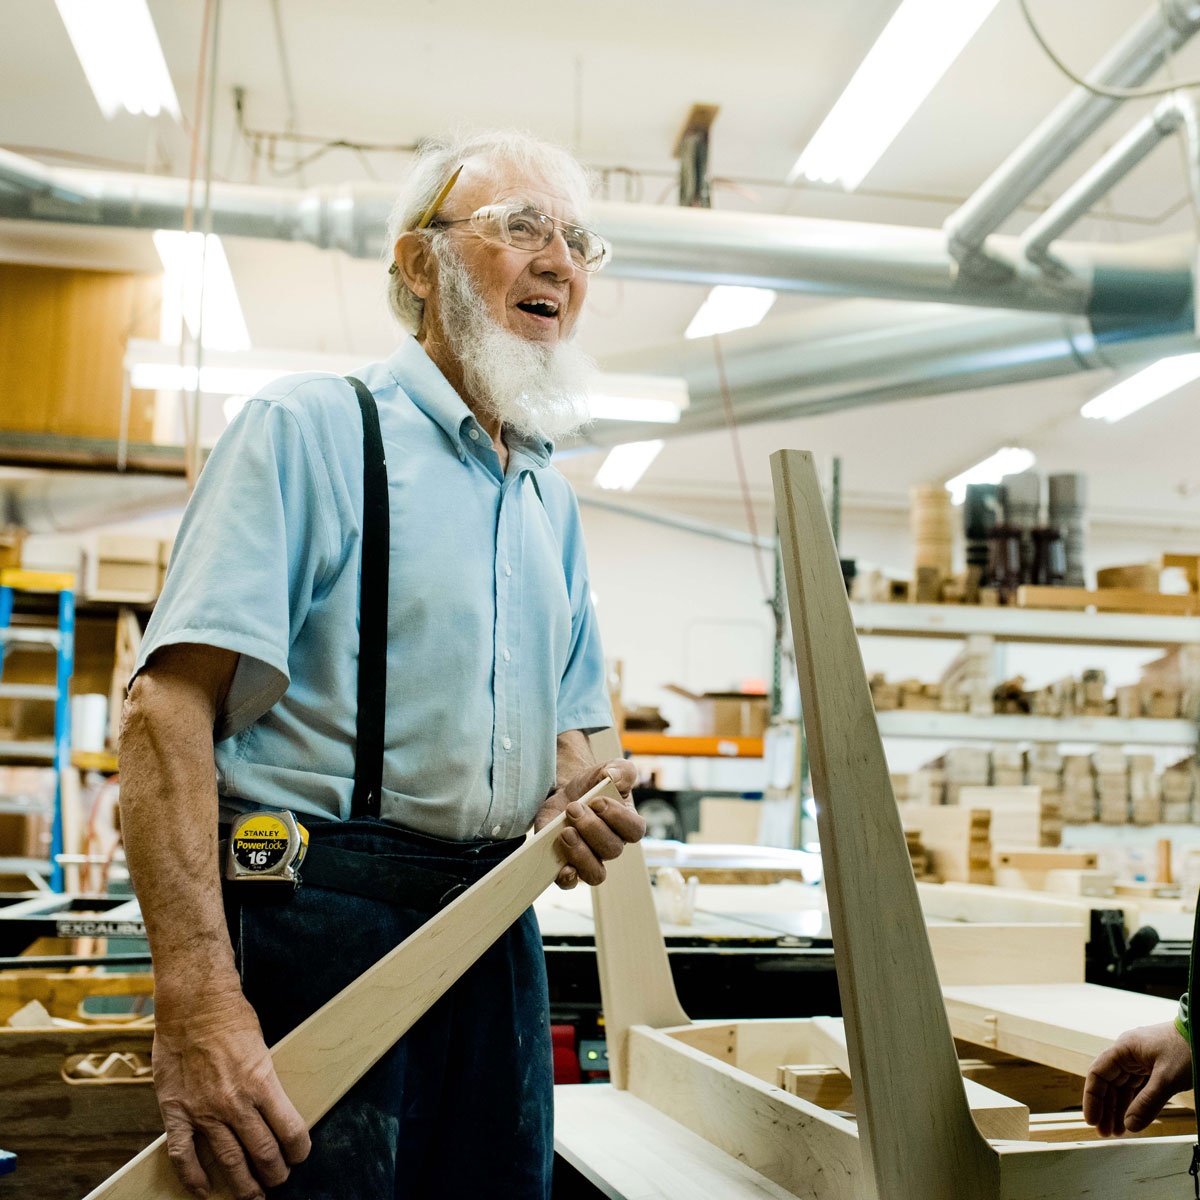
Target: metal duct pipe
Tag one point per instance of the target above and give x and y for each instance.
(863, 352)
(71, 501)
(652, 242)
(1166, 25)
(1173, 112)
(676, 521)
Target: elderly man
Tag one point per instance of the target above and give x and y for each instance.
(460, 588)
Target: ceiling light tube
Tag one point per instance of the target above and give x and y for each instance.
(1011, 460)
(657, 398)
(727, 307)
(1149, 384)
(121, 56)
(910, 56)
(186, 263)
(626, 464)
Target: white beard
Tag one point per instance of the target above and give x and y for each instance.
(536, 390)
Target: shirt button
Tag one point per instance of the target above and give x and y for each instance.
(508, 743)
(473, 434)
(508, 570)
(495, 831)
(507, 656)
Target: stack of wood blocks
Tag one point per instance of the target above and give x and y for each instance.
(1045, 770)
(1021, 816)
(1178, 791)
(1112, 785)
(1078, 790)
(957, 840)
(933, 540)
(965, 766)
(1145, 794)
(966, 682)
(1008, 766)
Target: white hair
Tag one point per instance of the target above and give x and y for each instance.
(438, 158)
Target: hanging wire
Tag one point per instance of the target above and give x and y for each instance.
(1098, 89)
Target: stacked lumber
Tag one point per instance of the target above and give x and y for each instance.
(1178, 790)
(965, 767)
(1112, 785)
(1021, 816)
(957, 840)
(1078, 790)
(966, 682)
(1145, 791)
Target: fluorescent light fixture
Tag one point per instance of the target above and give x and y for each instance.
(1011, 460)
(727, 307)
(185, 263)
(912, 53)
(658, 398)
(217, 381)
(120, 55)
(626, 464)
(155, 366)
(1149, 384)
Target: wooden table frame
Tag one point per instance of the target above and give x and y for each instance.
(914, 1136)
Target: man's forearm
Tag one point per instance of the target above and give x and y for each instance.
(573, 757)
(169, 822)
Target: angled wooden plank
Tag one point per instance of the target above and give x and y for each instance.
(995, 1115)
(322, 1058)
(636, 987)
(919, 1141)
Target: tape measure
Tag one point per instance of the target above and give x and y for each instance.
(265, 851)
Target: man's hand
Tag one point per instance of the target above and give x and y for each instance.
(1130, 1082)
(216, 1085)
(595, 831)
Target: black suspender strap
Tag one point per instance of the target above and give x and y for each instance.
(1194, 1169)
(372, 614)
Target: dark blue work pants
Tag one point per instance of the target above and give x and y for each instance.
(462, 1106)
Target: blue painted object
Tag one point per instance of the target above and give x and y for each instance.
(8, 1162)
(62, 711)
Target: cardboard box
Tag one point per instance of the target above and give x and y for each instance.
(127, 566)
(728, 714)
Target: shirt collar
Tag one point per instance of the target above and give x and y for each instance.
(431, 392)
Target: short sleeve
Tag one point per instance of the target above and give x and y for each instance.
(254, 543)
(583, 691)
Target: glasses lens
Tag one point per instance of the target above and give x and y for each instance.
(526, 228)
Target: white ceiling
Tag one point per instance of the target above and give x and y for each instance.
(615, 80)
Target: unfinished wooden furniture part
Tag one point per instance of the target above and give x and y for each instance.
(912, 1135)
(321, 1059)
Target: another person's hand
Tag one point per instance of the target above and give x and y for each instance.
(1130, 1082)
(219, 1095)
(596, 831)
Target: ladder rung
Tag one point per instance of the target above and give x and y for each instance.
(29, 691)
(23, 635)
(30, 749)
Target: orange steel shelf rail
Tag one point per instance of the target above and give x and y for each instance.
(692, 747)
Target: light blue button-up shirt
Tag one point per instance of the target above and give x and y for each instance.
(493, 647)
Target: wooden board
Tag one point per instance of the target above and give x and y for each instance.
(1108, 600)
(919, 1142)
(1062, 1025)
(630, 1151)
(321, 1059)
